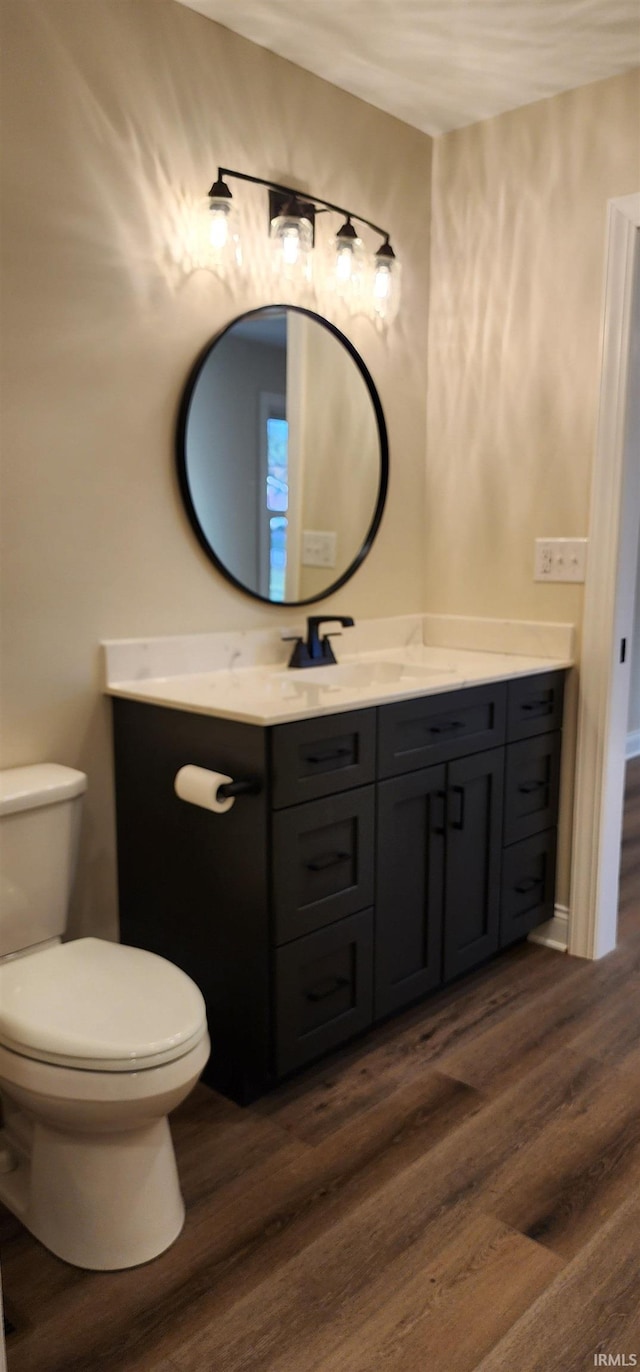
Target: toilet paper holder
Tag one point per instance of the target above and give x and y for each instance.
(214, 791)
(250, 787)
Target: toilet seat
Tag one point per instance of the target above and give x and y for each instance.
(99, 1006)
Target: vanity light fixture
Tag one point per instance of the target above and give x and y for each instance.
(355, 275)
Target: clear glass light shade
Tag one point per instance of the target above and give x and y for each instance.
(347, 267)
(387, 274)
(291, 240)
(224, 245)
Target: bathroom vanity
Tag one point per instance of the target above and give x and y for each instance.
(382, 849)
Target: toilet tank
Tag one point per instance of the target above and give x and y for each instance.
(39, 828)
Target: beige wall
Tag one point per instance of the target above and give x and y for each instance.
(517, 268)
(116, 114)
(518, 238)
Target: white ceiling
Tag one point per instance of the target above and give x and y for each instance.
(440, 64)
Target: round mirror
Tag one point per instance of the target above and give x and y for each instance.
(282, 455)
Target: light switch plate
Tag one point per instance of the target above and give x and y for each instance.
(318, 548)
(560, 559)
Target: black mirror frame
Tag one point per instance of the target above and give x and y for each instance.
(181, 455)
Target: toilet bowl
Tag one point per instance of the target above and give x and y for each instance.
(98, 1043)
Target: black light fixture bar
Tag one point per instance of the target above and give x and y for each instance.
(303, 198)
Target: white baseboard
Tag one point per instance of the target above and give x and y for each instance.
(555, 933)
(633, 744)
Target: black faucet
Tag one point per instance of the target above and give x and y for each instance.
(315, 651)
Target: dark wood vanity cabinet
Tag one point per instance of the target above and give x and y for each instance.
(384, 851)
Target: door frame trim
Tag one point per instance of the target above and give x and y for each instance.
(598, 796)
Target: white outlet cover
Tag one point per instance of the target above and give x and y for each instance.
(319, 548)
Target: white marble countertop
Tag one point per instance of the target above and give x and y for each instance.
(271, 693)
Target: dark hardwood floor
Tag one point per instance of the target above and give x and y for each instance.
(457, 1193)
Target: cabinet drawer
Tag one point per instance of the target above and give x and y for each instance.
(534, 705)
(322, 862)
(324, 990)
(532, 780)
(528, 886)
(317, 757)
(416, 733)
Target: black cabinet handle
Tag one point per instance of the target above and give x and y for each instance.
(440, 828)
(458, 823)
(329, 757)
(536, 705)
(450, 727)
(327, 988)
(530, 885)
(329, 860)
(528, 787)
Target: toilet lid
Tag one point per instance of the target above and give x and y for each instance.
(119, 1008)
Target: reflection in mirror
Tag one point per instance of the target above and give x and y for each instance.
(282, 455)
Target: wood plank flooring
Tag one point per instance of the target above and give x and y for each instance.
(456, 1193)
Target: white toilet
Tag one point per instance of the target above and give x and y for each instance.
(98, 1042)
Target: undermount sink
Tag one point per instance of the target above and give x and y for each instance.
(361, 674)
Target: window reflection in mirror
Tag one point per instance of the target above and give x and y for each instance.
(282, 455)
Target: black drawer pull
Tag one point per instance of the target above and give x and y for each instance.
(329, 860)
(528, 787)
(536, 705)
(530, 885)
(449, 728)
(329, 757)
(327, 988)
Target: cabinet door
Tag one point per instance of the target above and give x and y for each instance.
(410, 870)
(472, 877)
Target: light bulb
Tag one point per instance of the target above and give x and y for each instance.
(344, 263)
(291, 237)
(224, 248)
(290, 246)
(219, 225)
(347, 263)
(386, 283)
(382, 282)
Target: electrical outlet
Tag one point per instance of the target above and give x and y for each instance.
(560, 559)
(318, 548)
